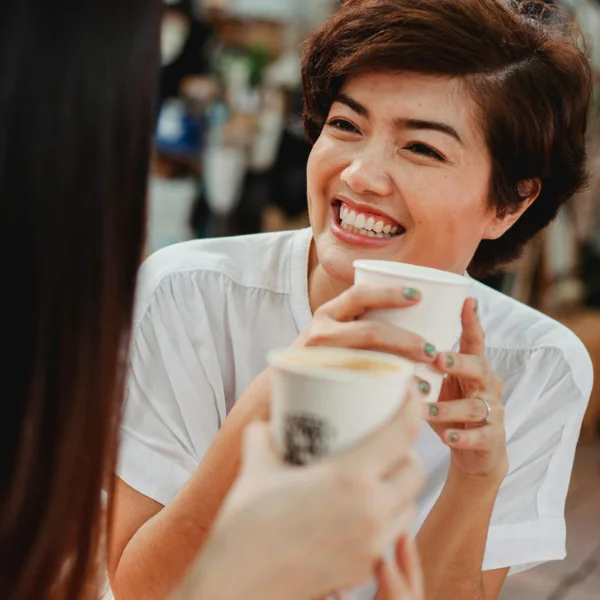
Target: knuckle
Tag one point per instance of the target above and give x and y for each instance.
(479, 437)
(318, 337)
(356, 294)
(366, 333)
(320, 334)
(322, 311)
(499, 411)
(485, 368)
(498, 385)
(476, 411)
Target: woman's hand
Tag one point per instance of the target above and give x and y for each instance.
(469, 416)
(336, 323)
(401, 578)
(300, 533)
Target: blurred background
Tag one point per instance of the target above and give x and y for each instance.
(230, 159)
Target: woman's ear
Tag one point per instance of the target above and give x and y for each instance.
(528, 190)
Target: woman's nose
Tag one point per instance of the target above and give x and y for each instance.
(367, 176)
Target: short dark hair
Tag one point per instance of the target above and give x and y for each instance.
(522, 62)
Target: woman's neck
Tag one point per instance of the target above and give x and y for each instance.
(321, 286)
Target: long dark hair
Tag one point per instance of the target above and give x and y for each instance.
(77, 81)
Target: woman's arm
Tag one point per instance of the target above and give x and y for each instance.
(469, 418)
(453, 537)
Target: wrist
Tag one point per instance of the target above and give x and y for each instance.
(486, 485)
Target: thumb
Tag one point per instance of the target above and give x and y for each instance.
(258, 451)
(472, 340)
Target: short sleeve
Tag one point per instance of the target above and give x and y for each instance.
(174, 384)
(543, 419)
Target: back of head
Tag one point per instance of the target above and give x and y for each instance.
(77, 83)
(519, 60)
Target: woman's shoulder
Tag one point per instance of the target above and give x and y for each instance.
(517, 334)
(203, 267)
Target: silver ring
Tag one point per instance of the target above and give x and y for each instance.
(488, 408)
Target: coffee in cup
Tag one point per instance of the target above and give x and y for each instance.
(325, 400)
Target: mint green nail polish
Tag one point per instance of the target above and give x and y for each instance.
(430, 350)
(424, 387)
(411, 294)
(453, 437)
(449, 361)
(433, 410)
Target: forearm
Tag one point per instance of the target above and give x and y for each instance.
(160, 553)
(452, 539)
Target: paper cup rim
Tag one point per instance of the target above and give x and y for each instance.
(276, 358)
(428, 274)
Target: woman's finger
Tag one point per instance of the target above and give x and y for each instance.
(355, 301)
(472, 340)
(469, 410)
(474, 369)
(392, 585)
(407, 559)
(478, 438)
(372, 335)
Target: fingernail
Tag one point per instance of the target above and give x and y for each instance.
(430, 350)
(475, 306)
(424, 386)
(449, 361)
(411, 293)
(433, 410)
(453, 437)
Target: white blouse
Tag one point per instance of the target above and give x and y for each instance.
(209, 311)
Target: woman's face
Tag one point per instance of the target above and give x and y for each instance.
(400, 172)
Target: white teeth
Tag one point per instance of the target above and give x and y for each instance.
(360, 221)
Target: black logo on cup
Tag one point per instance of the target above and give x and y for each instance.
(306, 438)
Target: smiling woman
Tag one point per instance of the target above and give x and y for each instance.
(446, 133)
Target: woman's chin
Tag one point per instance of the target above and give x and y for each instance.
(338, 261)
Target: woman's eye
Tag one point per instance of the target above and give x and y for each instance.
(343, 125)
(425, 150)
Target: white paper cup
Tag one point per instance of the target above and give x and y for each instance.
(323, 403)
(436, 318)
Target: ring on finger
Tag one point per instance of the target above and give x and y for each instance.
(486, 420)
